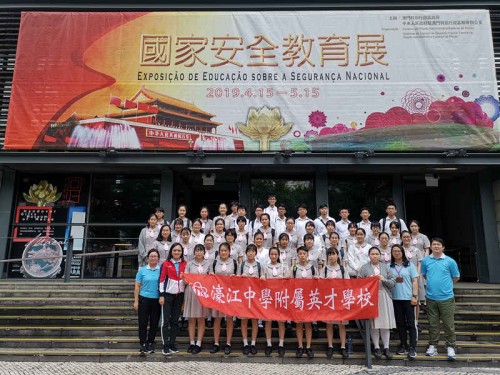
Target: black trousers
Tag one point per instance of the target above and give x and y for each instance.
(149, 313)
(404, 312)
(170, 314)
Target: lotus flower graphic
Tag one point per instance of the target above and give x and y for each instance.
(42, 194)
(264, 125)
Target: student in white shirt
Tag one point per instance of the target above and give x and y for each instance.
(320, 221)
(300, 222)
(234, 214)
(254, 225)
(272, 210)
(342, 224)
(365, 222)
(385, 223)
(280, 220)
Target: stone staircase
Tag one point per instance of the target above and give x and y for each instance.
(94, 321)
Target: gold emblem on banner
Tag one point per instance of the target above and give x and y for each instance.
(264, 125)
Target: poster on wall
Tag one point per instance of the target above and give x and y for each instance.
(412, 80)
(48, 207)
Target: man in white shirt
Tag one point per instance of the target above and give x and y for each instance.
(280, 221)
(234, 214)
(365, 223)
(342, 224)
(272, 210)
(385, 223)
(255, 224)
(300, 222)
(242, 211)
(320, 222)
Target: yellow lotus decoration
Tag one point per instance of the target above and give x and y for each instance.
(42, 193)
(264, 125)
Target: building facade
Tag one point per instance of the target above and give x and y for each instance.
(102, 196)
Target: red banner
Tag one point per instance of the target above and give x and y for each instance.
(299, 300)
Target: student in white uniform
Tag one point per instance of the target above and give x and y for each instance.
(193, 309)
(219, 232)
(236, 250)
(384, 247)
(223, 215)
(419, 240)
(330, 228)
(160, 215)
(242, 236)
(210, 251)
(182, 212)
(250, 268)
(394, 235)
(206, 222)
(385, 223)
(373, 238)
(315, 254)
(342, 224)
(365, 222)
(350, 239)
(280, 220)
(271, 210)
(318, 240)
(242, 212)
(187, 244)
(226, 266)
(335, 270)
(147, 238)
(262, 255)
(275, 270)
(335, 243)
(268, 232)
(234, 214)
(287, 256)
(255, 224)
(163, 243)
(304, 270)
(320, 221)
(176, 233)
(300, 222)
(357, 255)
(197, 235)
(292, 234)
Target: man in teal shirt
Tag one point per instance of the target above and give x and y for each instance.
(441, 272)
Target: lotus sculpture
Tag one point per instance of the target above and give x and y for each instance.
(264, 125)
(42, 193)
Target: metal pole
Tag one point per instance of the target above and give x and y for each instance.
(368, 348)
(69, 258)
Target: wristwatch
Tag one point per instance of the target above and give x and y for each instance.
(414, 296)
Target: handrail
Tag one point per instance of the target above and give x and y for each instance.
(134, 251)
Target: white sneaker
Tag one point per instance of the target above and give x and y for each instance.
(451, 353)
(431, 351)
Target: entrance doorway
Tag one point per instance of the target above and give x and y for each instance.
(196, 189)
(445, 211)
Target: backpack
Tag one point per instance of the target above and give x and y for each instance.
(243, 266)
(294, 271)
(341, 270)
(234, 264)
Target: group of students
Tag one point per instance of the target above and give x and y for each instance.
(275, 246)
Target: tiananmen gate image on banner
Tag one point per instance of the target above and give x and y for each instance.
(298, 300)
(255, 81)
